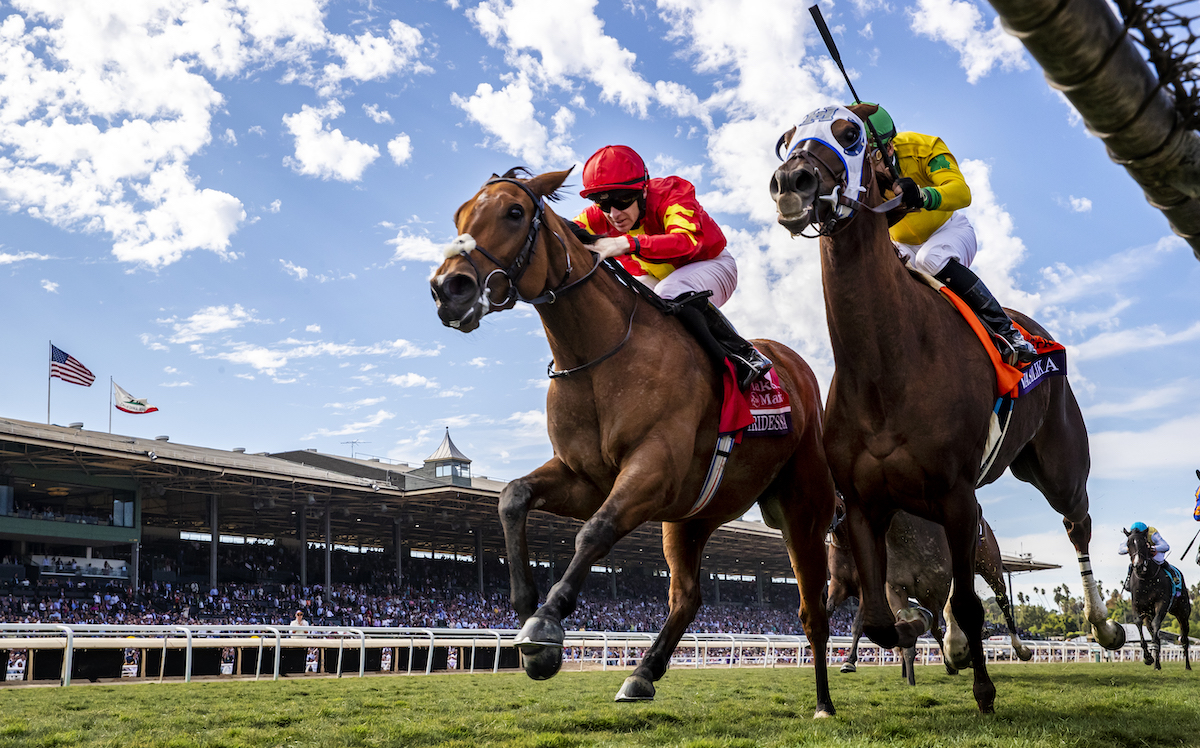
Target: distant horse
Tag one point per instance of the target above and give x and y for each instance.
(910, 404)
(1154, 596)
(918, 569)
(632, 414)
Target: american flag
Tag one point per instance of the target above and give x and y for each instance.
(64, 366)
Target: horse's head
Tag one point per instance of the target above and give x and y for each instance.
(495, 261)
(829, 171)
(1140, 554)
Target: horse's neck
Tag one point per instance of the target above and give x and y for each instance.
(589, 321)
(868, 296)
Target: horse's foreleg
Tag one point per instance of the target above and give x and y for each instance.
(807, 517)
(1183, 614)
(636, 495)
(552, 487)
(990, 566)
(868, 543)
(856, 628)
(1143, 622)
(683, 542)
(962, 523)
(1160, 616)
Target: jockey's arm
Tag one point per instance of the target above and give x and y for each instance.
(1159, 543)
(683, 238)
(950, 190)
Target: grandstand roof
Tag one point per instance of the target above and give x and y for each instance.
(447, 451)
(264, 495)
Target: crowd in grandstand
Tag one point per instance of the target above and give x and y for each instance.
(261, 585)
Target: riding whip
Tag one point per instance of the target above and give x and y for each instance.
(1189, 545)
(837, 58)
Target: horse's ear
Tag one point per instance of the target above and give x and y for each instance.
(785, 140)
(863, 110)
(1127, 533)
(548, 184)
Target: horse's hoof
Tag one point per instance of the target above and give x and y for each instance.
(823, 713)
(912, 623)
(540, 641)
(1110, 635)
(987, 709)
(849, 667)
(635, 688)
(1024, 654)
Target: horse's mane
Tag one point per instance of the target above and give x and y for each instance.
(524, 174)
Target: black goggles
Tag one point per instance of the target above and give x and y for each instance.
(606, 204)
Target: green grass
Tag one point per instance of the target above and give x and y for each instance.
(1110, 705)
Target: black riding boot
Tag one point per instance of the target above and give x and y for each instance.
(977, 296)
(718, 338)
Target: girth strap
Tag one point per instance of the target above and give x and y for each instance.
(716, 471)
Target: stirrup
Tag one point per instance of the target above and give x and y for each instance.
(750, 368)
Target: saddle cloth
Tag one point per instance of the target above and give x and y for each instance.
(766, 410)
(1176, 577)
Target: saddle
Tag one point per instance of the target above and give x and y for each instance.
(1176, 577)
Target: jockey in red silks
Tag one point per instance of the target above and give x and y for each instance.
(659, 232)
(936, 238)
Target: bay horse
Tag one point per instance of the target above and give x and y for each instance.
(1154, 597)
(632, 415)
(918, 558)
(909, 408)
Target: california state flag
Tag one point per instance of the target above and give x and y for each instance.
(127, 403)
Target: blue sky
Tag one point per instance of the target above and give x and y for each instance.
(232, 208)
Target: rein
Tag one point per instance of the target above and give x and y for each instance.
(837, 196)
(521, 263)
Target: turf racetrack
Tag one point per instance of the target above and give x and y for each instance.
(1109, 705)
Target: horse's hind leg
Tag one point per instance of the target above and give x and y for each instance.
(554, 488)
(851, 664)
(989, 565)
(683, 542)
(1056, 462)
(1183, 615)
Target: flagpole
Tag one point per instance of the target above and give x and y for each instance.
(110, 405)
(48, 377)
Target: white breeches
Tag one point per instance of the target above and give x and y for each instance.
(718, 275)
(954, 240)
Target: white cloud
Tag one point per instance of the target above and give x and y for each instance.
(1142, 402)
(510, 116)
(377, 115)
(400, 148)
(103, 106)
(1080, 204)
(208, 321)
(417, 248)
(229, 137)
(1129, 454)
(296, 270)
(959, 23)
(357, 427)
(50, 286)
(1124, 342)
(175, 384)
(411, 380)
(363, 403)
(274, 206)
(479, 361)
(325, 153)
(313, 328)
(10, 259)
(170, 370)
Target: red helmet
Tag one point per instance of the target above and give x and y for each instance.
(613, 167)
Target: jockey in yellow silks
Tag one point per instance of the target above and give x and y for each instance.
(657, 229)
(936, 238)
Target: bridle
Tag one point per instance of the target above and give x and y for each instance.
(822, 151)
(515, 270)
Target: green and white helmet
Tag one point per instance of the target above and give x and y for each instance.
(882, 122)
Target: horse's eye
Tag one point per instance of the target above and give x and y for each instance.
(516, 212)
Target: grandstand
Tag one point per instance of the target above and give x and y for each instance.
(99, 510)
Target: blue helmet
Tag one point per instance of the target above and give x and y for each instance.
(1138, 527)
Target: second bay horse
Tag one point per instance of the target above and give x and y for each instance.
(909, 407)
(632, 416)
(919, 569)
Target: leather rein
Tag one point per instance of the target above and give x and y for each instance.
(515, 270)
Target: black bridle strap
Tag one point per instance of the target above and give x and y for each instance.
(550, 371)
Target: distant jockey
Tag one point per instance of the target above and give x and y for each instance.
(659, 232)
(1157, 543)
(937, 238)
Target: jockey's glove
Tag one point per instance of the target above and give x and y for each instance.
(911, 195)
